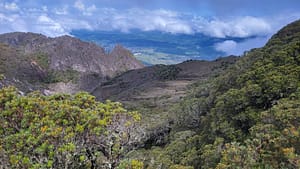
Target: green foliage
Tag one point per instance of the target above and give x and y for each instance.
(60, 131)
(248, 117)
(274, 141)
(41, 59)
(9, 59)
(168, 72)
(180, 167)
(132, 164)
(67, 75)
(211, 153)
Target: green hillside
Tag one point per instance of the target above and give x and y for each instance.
(242, 117)
(248, 117)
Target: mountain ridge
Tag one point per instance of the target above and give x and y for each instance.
(234, 112)
(85, 60)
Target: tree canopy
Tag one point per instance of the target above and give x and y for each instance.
(62, 131)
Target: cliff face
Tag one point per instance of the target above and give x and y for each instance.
(66, 58)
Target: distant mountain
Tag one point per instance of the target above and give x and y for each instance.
(67, 65)
(63, 62)
(233, 112)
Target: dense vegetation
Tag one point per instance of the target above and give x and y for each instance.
(247, 117)
(63, 131)
(169, 72)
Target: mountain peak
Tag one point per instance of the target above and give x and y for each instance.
(69, 55)
(119, 51)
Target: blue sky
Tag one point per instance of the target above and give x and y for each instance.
(258, 19)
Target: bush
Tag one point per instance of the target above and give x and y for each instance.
(61, 131)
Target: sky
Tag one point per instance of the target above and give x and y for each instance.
(254, 20)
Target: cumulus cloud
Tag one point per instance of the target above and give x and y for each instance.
(231, 47)
(12, 22)
(60, 19)
(238, 27)
(146, 20)
(34, 22)
(45, 8)
(79, 5)
(65, 18)
(174, 22)
(61, 11)
(88, 11)
(11, 6)
(48, 26)
(169, 21)
(227, 46)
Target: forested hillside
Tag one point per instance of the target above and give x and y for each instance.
(247, 117)
(63, 131)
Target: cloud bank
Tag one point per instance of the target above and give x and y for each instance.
(61, 19)
(231, 47)
(238, 27)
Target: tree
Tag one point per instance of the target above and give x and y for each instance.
(62, 131)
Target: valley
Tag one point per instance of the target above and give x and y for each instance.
(76, 105)
(155, 47)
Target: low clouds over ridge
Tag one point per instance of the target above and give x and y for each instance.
(60, 18)
(238, 27)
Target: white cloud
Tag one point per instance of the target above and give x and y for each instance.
(91, 9)
(62, 19)
(12, 23)
(51, 22)
(49, 27)
(44, 19)
(237, 27)
(3, 17)
(70, 23)
(226, 46)
(11, 6)
(79, 5)
(45, 8)
(61, 11)
(230, 47)
(88, 11)
(146, 20)
(173, 22)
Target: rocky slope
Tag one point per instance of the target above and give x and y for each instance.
(64, 62)
(67, 65)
